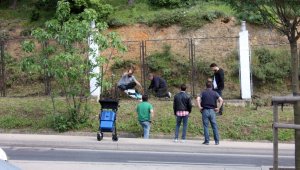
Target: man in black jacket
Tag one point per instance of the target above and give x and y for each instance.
(159, 86)
(218, 81)
(182, 107)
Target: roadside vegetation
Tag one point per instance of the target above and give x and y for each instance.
(68, 106)
(35, 114)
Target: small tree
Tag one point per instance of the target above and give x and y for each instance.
(285, 17)
(68, 64)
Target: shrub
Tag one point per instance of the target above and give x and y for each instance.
(253, 17)
(168, 18)
(170, 3)
(169, 66)
(35, 15)
(266, 64)
(213, 15)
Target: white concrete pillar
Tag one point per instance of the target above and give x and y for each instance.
(244, 52)
(93, 54)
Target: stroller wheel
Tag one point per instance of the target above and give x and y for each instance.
(99, 136)
(115, 138)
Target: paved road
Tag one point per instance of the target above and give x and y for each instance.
(33, 151)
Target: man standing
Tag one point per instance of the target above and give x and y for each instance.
(159, 86)
(182, 107)
(209, 102)
(218, 81)
(145, 112)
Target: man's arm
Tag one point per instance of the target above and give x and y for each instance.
(220, 102)
(138, 83)
(174, 105)
(152, 113)
(155, 83)
(151, 85)
(199, 103)
(221, 83)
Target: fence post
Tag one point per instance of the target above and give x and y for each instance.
(244, 62)
(192, 58)
(275, 137)
(2, 71)
(143, 73)
(93, 54)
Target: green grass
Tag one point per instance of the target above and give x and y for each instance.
(238, 123)
(187, 17)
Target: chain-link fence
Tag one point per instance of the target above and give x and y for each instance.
(184, 60)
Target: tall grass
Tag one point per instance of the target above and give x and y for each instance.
(238, 123)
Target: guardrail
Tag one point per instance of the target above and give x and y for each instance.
(279, 100)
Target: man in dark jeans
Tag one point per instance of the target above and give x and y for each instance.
(182, 107)
(159, 86)
(218, 81)
(209, 102)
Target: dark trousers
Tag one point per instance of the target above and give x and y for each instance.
(220, 93)
(127, 86)
(161, 92)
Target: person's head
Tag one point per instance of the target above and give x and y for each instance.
(214, 67)
(150, 76)
(183, 87)
(130, 71)
(208, 84)
(145, 97)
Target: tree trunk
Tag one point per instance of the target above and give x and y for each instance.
(130, 2)
(295, 89)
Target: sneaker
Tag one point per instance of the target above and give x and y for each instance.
(183, 141)
(205, 143)
(169, 94)
(175, 140)
(217, 143)
(126, 91)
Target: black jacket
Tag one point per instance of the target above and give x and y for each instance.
(219, 76)
(157, 83)
(182, 102)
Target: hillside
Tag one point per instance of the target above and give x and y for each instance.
(215, 37)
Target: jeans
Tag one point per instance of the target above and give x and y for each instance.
(220, 93)
(178, 122)
(146, 126)
(209, 116)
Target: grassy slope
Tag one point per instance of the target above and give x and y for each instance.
(35, 114)
(238, 123)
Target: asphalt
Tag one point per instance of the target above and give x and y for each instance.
(134, 144)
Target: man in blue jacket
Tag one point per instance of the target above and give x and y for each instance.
(159, 86)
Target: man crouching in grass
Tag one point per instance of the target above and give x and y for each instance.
(145, 112)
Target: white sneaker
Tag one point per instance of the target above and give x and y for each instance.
(175, 140)
(126, 91)
(183, 141)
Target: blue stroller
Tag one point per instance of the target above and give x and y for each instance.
(107, 118)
